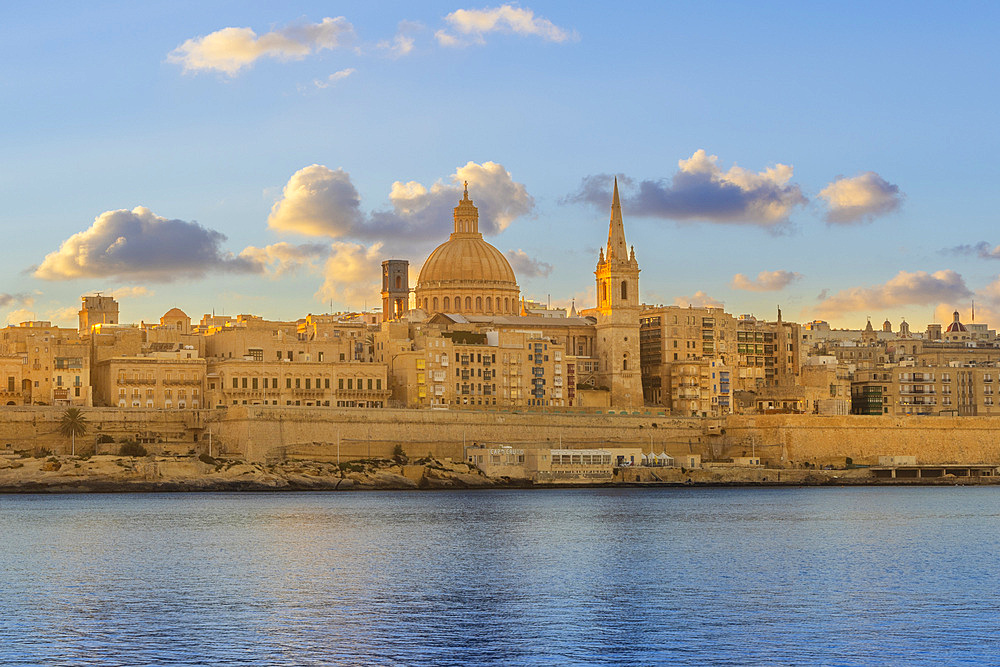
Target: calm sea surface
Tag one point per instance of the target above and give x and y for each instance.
(855, 576)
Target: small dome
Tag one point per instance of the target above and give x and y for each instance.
(174, 313)
(956, 326)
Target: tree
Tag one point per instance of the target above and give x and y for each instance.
(73, 424)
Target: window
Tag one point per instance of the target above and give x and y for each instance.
(624, 290)
(236, 383)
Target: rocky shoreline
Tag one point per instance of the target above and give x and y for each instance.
(123, 474)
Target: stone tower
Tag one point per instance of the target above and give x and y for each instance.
(97, 309)
(618, 308)
(395, 289)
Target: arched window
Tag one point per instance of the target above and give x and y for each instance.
(427, 303)
(604, 293)
(458, 304)
(625, 358)
(468, 303)
(624, 291)
(399, 282)
(447, 304)
(479, 304)
(489, 304)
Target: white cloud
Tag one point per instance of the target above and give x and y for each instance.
(471, 26)
(319, 201)
(279, 259)
(766, 281)
(352, 274)
(133, 291)
(860, 198)
(699, 300)
(138, 244)
(231, 49)
(402, 44)
(905, 288)
(334, 78)
(525, 266)
(68, 316)
(701, 190)
(20, 315)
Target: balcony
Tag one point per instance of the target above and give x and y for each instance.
(136, 381)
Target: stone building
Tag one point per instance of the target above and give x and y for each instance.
(55, 364)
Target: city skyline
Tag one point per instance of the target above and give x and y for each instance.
(266, 160)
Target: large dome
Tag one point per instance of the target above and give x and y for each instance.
(465, 274)
(461, 260)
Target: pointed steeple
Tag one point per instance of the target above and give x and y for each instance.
(617, 248)
(572, 309)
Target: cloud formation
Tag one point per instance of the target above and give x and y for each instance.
(470, 26)
(916, 288)
(698, 300)
(766, 281)
(334, 78)
(860, 198)
(279, 259)
(983, 250)
(319, 201)
(701, 190)
(138, 244)
(132, 291)
(402, 44)
(15, 300)
(351, 274)
(231, 49)
(525, 266)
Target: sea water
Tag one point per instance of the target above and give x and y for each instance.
(694, 576)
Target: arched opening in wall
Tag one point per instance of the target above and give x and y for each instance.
(11, 403)
(447, 304)
(435, 304)
(489, 304)
(479, 303)
(458, 304)
(624, 290)
(468, 303)
(604, 293)
(426, 304)
(625, 361)
(506, 305)
(399, 282)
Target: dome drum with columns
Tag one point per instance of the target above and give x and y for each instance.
(465, 274)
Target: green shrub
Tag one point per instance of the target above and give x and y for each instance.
(132, 449)
(205, 458)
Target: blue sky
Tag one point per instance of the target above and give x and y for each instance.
(164, 153)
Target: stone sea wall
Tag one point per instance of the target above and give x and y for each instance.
(272, 433)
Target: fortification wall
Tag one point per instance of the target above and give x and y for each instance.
(262, 433)
(32, 429)
(821, 439)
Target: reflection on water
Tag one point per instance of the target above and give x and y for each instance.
(627, 576)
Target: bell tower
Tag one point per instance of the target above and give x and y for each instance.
(618, 309)
(395, 289)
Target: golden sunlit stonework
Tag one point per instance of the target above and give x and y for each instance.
(465, 274)
(465, 339)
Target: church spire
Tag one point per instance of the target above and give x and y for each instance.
(616, 230)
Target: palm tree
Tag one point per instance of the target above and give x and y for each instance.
(73, 424)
